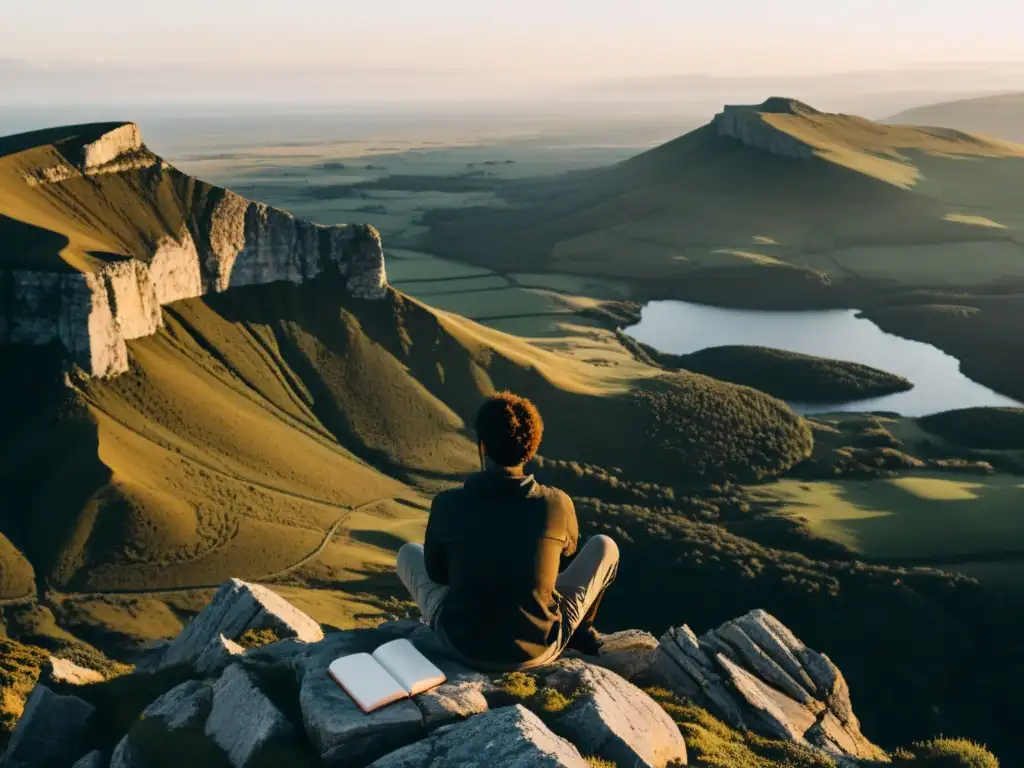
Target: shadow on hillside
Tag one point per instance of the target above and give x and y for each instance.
(26, 246)
(381, 539)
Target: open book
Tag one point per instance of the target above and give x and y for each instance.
(396, 670)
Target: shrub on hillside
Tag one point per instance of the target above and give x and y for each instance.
(946, 753)
(993, 428)
(699, 429)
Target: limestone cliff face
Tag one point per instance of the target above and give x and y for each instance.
(229, 241)
(746, 124)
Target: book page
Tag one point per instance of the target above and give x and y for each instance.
(408, 666)
(366, 681)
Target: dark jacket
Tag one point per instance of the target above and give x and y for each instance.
(498, 543)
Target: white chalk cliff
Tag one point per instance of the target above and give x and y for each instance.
(225, 241)
(746, 124)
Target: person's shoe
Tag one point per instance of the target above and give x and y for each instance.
(586, 640)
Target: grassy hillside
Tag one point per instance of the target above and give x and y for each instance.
(1001, 115)
(258, 419)
(876, 206)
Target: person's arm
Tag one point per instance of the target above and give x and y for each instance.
(433, 548)
(572, 531)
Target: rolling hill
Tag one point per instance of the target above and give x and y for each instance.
(1001, 115)
(769, 205)
(197, 386)
(194, 392)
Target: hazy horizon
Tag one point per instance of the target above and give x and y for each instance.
(453, 51)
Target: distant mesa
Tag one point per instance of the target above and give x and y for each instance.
(101, 233)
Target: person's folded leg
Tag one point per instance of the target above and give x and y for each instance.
(412, 571)
(584, 582)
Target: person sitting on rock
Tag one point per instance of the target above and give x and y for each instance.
(487, 576)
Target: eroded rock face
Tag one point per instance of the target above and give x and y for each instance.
(228, 241)
(753, 672)
(236, 607)
(745, 124)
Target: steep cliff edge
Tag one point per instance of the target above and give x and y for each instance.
(101, 233)
(790, 128)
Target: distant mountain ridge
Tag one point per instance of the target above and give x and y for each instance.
(105, 233)
(1001, 115)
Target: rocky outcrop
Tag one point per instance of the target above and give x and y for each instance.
(52, 732)
(276, 704)
(510, 736)
(236, 608)
(754, 673)
(225, 242)
(747, 124)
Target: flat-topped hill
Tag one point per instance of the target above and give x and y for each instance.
(100, 233)
(775, 204)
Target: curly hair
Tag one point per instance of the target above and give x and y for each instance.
(510, 428)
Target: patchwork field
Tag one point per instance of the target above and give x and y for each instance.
(918, 517)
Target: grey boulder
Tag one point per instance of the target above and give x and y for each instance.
(176, 718)
(510, 737)
(244, 723)
(52, 733)
(628, 653)
(341, 733)
(236, 607)
(613, 719)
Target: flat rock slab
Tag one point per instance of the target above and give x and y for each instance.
(341, 733)
(781, 716)
(510, 737)
(244, 722)
(53, 731)
(58, 670)
(613, 719)
(236, 607)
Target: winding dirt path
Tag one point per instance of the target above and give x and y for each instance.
(305, 560)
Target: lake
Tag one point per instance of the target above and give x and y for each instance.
(680, 327)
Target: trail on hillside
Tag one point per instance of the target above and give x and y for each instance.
(305, 560)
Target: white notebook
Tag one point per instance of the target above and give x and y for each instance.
(396, 670)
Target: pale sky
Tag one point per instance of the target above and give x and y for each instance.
(482, 45)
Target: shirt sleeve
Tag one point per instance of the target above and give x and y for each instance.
(434, 556)
(572, 528)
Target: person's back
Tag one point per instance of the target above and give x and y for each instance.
(498, 543)
(487, 577)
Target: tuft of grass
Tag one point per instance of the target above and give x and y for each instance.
(713, 744)
(542, 700)
(257, 638)
(598, 762)
(946, 753)
(19, 670)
